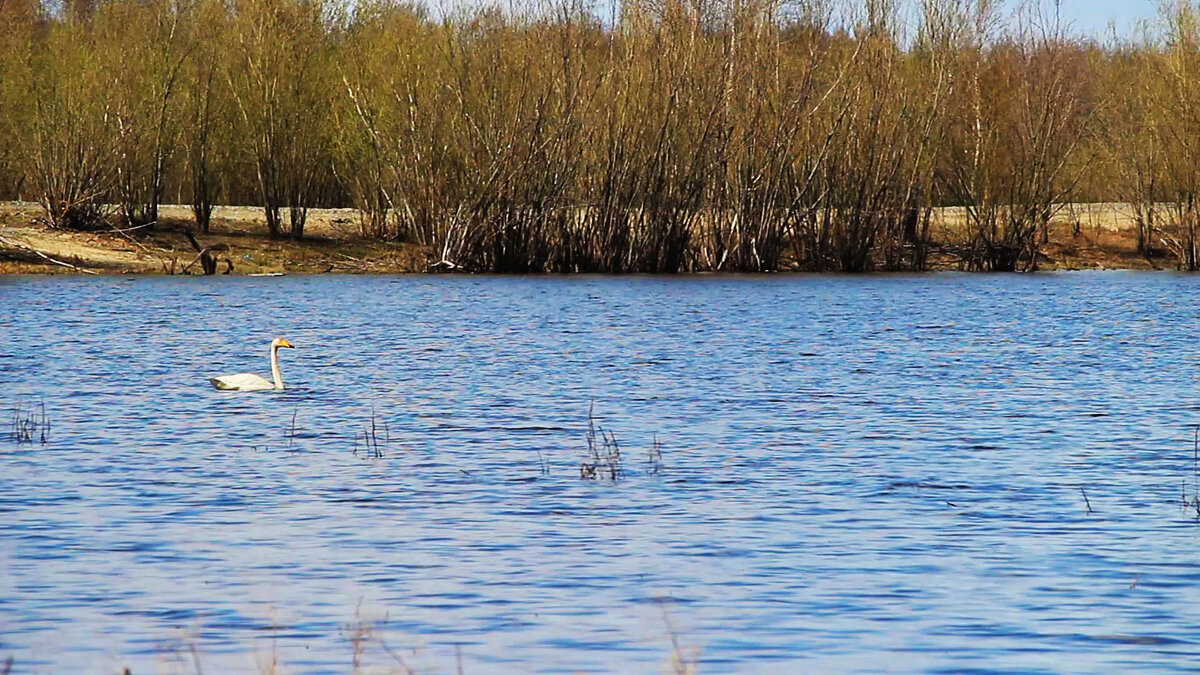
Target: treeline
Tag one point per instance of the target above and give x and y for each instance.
(677, 135)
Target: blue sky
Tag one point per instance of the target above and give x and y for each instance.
(1093, 16)
(1090, 17)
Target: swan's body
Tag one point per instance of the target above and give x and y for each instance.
(250, 381)
(243, 382)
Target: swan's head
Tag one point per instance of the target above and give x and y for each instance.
(280, 342)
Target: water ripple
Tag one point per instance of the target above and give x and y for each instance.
(947, 473)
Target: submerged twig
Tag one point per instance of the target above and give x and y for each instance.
(292, 432)
(681, 664)
(603, 450)
(370, 437)
(654, 457)
(29, 426)
(1194, 501)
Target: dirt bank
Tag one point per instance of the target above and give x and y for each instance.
(1104, 239)
(331, 245)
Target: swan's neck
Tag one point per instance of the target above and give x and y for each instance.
(275, 368)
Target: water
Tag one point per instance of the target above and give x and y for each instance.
(859, 474)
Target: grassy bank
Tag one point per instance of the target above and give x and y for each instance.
(1093, 236)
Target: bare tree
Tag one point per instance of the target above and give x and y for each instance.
(146, 73)
(70, 155)
(1020, 120)
(278, 79)
(1179, 127)
(205, 114)
(1130, 134)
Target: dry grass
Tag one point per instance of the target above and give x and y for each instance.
(372, 648)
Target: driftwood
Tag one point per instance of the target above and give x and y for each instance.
(26, 247)
(208, 261)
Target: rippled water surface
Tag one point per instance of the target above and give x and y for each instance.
(877, 473)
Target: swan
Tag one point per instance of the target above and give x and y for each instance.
(250, 381)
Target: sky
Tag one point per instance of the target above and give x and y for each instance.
(1093, 16)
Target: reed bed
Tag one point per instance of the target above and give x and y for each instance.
(375, 438)
(603, 453)
(1192, 503)
(668, 136)
(29, 424)
(371, 651)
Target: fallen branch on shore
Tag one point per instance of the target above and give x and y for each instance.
(25, 247)
(353, 264)
(208, 261)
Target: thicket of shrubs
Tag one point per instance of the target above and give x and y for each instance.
(674, 135)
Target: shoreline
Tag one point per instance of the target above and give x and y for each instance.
(332, 245)
(237, 238)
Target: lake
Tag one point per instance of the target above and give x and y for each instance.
(941, 472)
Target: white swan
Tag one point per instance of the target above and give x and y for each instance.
(250, 381)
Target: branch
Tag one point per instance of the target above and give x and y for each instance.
(26, 247)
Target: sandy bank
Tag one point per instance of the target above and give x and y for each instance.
(331, 245)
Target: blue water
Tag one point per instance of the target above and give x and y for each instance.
(858, 474)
